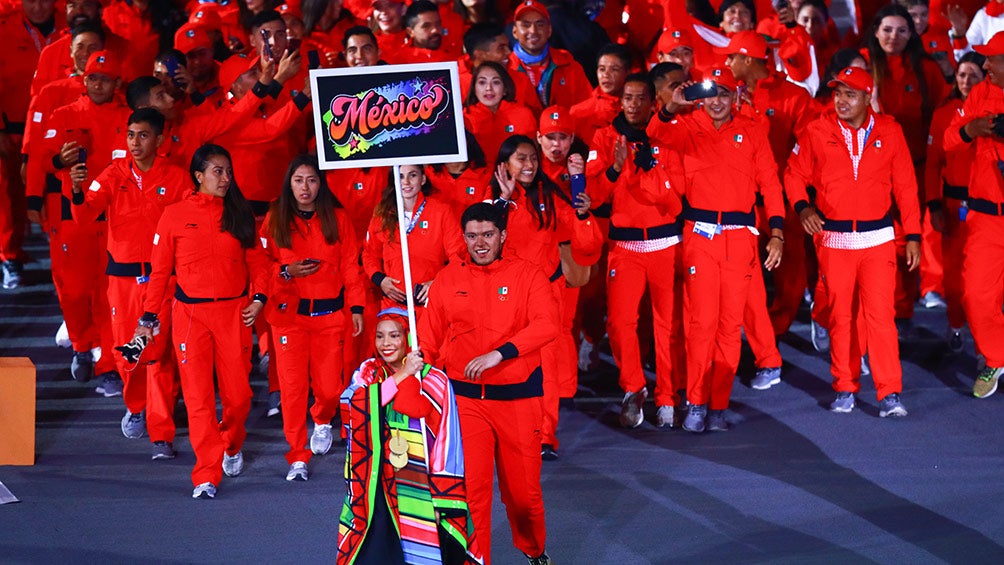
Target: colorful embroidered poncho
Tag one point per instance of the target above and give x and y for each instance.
(427, 498)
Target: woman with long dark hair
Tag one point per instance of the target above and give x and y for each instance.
(208, 241)
(316, 282)
(947, 189)
(539, 218)
(491, 112)
(908, 86)
(433, 238)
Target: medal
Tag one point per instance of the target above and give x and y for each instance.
(398, 447)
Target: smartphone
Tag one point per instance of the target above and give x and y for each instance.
(294, 45)
(313, 59)
(172, 64)
(82, 155)
(700, 90)
(266, 47)
(309, 261)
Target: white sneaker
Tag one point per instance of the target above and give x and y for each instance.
(233, 464)
(297, 471)
(63, 336)
(933, 300)
(664, 417)
(320, 440)
(205, 490)
(586, 353)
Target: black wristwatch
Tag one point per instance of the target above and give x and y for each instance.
(284, 273)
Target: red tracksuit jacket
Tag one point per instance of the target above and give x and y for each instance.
(492, 128)
(134, 201)
(945, 167)
(210, 264)
(594, 113)
(568, 85)
(741, 143)
(434, 240)
(822, 159)
(338, 271)
(507, 305)
(985, 179)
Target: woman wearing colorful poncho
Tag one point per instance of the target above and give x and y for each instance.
(404, 468)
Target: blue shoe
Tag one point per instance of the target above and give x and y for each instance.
(717, 422)
(82, 366)
(111, 385)
(843, 404)
(694, 422)
(891, 407)
(766, 378)
(133, 425)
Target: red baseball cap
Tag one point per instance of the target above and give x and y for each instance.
(207, 17)
(556, 119)
(234, 67)
(993, 47)
(102, 63)
(190, 37)
(853, 77)
(673, 38)
(749, 43)
(531, 6)
(721, 76)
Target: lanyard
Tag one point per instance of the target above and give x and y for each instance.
(35, 36)
(858, 148)
(414, 218)
(136, 177)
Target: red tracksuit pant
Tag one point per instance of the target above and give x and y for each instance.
(717, 279)
(504, 436)
(13, 207)
(789, 276)
(757, 323)
(861, 283)
(559, 360)
(953, 246)
(210, 336)
(983, 271)
(308, 355)
(151, 384)
(78, 273)
(932, 269)
(628, 273)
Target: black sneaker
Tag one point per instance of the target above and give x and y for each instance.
(541, 559)
(548, 452)
(82, 366)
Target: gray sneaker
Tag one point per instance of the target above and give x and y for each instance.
(297, 471)
(204, 491)
(111, 385)
(890, 406)
(11, 274)
(694, 422)
(320, 440)
(631, 413)
(133, 425)
(82, 366)
(819, 335)
(843, 404)
(766, 378)
(717, 422)
(233, 464)
(162, 450)
(274, 404)
(866, 368)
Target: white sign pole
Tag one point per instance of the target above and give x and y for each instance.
(409, 287)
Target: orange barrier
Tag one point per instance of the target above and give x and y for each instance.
(17, 411)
